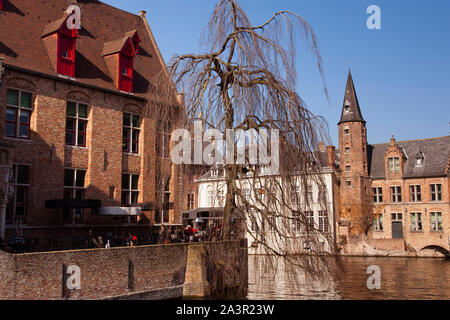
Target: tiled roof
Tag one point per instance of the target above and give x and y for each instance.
(435, 151)
(23, 22)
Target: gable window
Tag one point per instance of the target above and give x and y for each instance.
(416, 221)
(436, 192)
(378, 223)
(17, 205)
(415, 194)
(76, 124)
(74, 188)
(396, 194)
(377, 195)
(130, 194)
(394, 164)
(436, 221)
(131, 131)
(18, 114)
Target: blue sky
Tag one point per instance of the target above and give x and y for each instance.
(401, 72)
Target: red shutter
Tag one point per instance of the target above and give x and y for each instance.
(1, 4)
(66, 56)
(126, 73)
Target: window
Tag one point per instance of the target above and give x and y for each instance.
(17, 205)
(322, 194)
(415, 194)
(349, 183)
(76, 124)
(126, 73)
(221, 198)
(210, 196)
(377, 195)
(310, 219)
(436, 192)
(296, 221)
(254, 224)
(130, 194)
(18, 114)
(66, 55)
(309, 193)
(272, 223)
(246, 192)
(378, 223)
(436, 221)
(348, 168)
(131, 131)
(190, 201)
(323, 221)
(347, 108)
(394, 164)
(74, 188)
(416, 221)
(419, 159)
(163, 141)
(396, 194)
(347, 150)
(346, 130)
(396, 216)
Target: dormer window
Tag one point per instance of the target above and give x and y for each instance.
(347, 106)
(119, 55)
(419, 159)
(57, 36)
(394, 164)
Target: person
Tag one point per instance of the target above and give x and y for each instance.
(107, 245)
(133, 240)
(100, 242)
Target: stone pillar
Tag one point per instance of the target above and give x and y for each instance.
(196, 285)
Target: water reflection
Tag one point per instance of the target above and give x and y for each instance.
(401, 278)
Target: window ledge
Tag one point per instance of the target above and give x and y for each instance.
(19, 139)
(416, 231)
(436, 231)
(76, 147)
(133, 154)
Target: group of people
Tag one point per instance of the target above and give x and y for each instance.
(130, 240)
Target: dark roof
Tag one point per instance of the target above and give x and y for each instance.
(23, 22)
(353, 113)
(435, 151)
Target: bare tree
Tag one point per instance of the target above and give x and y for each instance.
(247, 80)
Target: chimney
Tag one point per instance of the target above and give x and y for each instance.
(142, 13)
(321, 146)
(331, 155)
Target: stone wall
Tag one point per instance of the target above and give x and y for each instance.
(118, 273)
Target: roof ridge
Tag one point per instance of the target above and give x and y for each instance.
(424, 139)
(118, 9)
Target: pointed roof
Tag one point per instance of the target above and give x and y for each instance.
(350, 108)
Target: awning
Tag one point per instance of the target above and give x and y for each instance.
(120, 211)
(73, 204)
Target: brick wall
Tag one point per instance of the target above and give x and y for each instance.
(115, 272)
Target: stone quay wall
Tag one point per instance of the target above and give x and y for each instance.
(153, 272)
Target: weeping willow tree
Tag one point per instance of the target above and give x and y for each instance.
(247, 80)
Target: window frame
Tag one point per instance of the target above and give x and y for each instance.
(437, 193)
(15, 184)
(323, 221)
(377, 194)
(437, 215)
(416, 222)
(130, 192)
(17, 113)
(73, 190)
(131, 129)
(415, 193)
(378, 223)
(76, 120)
(396, 196)
(395, 164)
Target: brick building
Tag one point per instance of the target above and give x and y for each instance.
(396, 190)
(82, 147)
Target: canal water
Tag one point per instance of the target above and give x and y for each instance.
(400, 278)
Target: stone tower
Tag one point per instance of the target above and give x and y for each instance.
(355, 211)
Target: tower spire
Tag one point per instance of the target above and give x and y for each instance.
(350, 109)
